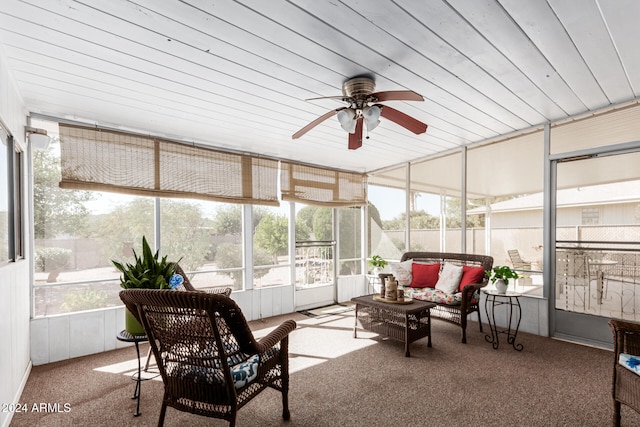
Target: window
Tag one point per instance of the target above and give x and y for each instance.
(590, 216)
(271, 264)
(18, 218)
(387, 221)
(350, 241)
(424, 217)
(206, 238)
(314, 246)
(5, 227)
(79, 231)
(11, 220)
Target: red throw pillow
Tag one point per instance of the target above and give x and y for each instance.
(425, 275)
(471, 276)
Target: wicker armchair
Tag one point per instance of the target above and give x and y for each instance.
(625, 384)
(187, 286)
(209, 361)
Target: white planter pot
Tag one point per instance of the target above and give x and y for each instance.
(376, 271)
(501, 287)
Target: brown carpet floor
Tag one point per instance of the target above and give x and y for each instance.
(337, 380)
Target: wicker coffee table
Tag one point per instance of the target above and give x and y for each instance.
(403, 322)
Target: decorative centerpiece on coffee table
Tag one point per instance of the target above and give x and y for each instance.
(391, 294)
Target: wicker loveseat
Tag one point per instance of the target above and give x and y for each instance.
(454, 306)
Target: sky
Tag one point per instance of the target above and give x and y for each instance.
(391, 203)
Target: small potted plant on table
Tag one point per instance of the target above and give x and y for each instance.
(500, 276)
(378, 263)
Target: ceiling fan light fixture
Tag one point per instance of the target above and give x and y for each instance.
(364, 110)
(347, 119)
(371, 116)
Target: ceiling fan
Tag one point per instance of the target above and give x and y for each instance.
(364, 109)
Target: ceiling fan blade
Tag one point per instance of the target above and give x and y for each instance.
(315, 123)
(397, 95)
(403, 120)
(355, 138)
(339, 97)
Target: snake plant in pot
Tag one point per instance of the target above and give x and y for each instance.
(148, 271)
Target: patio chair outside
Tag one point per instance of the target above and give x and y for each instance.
(571, 274)
(517, 261)
(208, 359)
(625, 383)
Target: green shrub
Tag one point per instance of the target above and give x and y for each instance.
(85, 299)
(52, 259)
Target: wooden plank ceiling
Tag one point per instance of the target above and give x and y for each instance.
(235, 74)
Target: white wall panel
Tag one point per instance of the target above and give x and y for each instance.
(14, 286)
(65, 336)
(14, 333)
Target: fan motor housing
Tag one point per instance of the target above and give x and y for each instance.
(359, 87)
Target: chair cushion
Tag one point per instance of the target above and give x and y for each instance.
(449, 278)
(402, 272)
(471, 276)
(244, 373)
(439, 297)
(425, 275)
(630, 362)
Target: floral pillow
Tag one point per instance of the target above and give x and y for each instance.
(402, 272)
(449, 278)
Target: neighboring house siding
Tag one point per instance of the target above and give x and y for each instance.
(616, 214)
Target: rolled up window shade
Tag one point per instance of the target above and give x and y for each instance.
(105, 160)
(324, 187)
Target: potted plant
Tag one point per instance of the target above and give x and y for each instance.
(148, 271)
(500, 276)
(378, 263)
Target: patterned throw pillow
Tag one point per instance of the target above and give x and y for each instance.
(630, 362)
(402, 272)
(449, 279)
